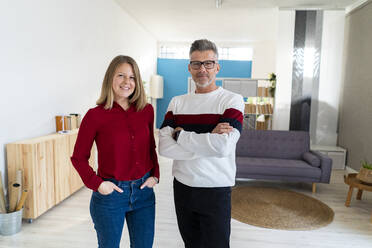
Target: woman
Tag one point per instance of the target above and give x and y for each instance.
(128, 169)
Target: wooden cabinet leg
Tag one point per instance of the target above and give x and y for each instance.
(314, 188)
(349, 195)
(359, 195)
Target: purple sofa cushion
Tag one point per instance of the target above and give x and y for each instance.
(276, 167)
(273, 144)
(311, 159)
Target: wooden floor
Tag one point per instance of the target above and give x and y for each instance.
(69, 225)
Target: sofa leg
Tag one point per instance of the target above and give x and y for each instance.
(314, 188)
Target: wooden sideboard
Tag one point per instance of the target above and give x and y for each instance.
(47, 170)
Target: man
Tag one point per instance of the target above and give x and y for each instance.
(199, 132)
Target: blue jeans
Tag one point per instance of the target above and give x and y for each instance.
(134, 205)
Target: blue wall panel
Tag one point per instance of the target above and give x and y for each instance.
(175, 74)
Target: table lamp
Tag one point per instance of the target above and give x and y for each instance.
(156, 86)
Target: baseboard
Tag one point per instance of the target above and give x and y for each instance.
(350, 170)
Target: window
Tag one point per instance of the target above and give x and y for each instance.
(167, 52)
(235, 53)
(225, 53)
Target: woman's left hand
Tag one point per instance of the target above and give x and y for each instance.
(150, 183)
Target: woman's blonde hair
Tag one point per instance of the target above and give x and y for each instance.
(138, 97)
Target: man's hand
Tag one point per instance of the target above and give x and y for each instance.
(174, 132)
(106, 187)
(223, 127)
(177, 129)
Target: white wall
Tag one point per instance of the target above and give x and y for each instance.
(53, 58)
(330, 78)
(264, 57)
(264, 52)
(284, 64)
(356, 102)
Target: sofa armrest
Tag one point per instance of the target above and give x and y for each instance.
(325, 166)
(311, 159)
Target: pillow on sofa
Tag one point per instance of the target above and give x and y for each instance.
(311, 159)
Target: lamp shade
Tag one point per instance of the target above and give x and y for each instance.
(156, 86)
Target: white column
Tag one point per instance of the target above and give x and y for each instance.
(284, 58)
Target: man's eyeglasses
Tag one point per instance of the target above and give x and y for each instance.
(208, 64)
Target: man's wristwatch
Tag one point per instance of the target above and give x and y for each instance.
(156, 179)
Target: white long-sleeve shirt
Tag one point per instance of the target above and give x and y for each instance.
(202, 158)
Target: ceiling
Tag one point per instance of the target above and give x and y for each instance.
(234, 21)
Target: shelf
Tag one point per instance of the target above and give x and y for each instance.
(48, 173)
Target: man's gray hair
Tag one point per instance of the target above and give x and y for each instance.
(203, 45)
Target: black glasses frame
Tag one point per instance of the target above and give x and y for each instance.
(197, 64)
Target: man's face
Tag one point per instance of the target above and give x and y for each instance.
(202, 76)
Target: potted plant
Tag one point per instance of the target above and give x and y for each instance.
(365, 173)
(272, 79)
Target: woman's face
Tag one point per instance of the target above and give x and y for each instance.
(124, 82)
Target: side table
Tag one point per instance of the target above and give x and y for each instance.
(354, 182)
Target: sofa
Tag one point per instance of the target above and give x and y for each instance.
(280, 155)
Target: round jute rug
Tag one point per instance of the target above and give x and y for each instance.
(278, 209)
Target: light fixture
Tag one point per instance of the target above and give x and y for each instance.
(218, 4)
(156, 86)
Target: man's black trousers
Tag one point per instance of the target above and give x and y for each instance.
(203, 215)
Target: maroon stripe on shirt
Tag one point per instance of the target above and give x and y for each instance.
(168, 120)
(203, 119)
(169, 115)
(233, 114)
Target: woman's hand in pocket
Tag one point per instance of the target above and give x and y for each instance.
(107, 187)
(150, 182)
